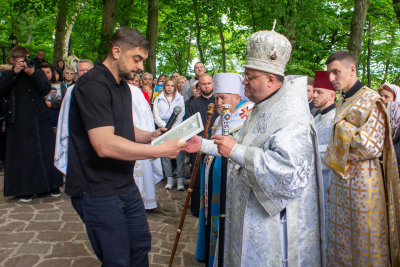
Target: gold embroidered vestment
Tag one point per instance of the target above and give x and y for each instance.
(364, 204)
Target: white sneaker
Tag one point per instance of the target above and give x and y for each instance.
(181, 186)
(170, 183)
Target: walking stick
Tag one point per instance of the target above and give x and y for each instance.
(226, 120)
(210, 114)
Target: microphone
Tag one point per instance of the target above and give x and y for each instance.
(177, 110)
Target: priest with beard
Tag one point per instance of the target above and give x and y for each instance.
(274, 198)
(324, 99)
(200, 104)
(228, 88)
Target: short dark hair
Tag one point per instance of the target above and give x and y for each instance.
(343, 56)
(39, 50)
(198, 63)
(53, 88)
(128, 38)
(310, 81)
(19, 52)
(44, 65)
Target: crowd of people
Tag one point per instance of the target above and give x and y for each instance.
(312, 177)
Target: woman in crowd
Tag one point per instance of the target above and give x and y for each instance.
(390, 93)
(180, 83)
(163, 106)
(69, 75)
(147, 88)
(61, 64)
(161, 79)
(136, 81)
(58, 74)
(54, 99)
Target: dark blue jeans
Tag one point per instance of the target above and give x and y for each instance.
(117, 227)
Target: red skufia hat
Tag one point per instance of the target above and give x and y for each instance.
(321, 80)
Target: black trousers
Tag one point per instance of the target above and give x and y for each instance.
(117, 227)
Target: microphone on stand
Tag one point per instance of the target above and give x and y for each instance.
(175, 113)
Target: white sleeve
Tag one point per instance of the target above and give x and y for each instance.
(157, 119)
(208, 147)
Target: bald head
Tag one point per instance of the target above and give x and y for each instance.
(206, 84)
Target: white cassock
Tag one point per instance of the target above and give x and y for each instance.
(147, 172)
(274, 171)
(61, 151)
(323, 124)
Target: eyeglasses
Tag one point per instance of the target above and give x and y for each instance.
(247, 77)
(69, 73)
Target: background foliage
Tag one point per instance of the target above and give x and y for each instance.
(214, 28)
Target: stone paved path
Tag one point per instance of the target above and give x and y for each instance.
(47, 232)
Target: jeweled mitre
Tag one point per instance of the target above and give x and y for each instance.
(268, 51)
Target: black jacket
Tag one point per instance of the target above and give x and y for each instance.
(37, 86)
(38, 62)
(396, 144)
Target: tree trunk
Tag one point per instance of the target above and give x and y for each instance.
(107, 26)
(253, 18)
(151, 36)
(124, 19)
(30, 30)
(393, 43)
(60, 30)
(70, 25)
(198, 26)
(188, 56)
(397, 79)
(369, 55)
(357, 28)
(221, 37)
(386, 71)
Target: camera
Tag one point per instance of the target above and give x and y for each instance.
(29, 63)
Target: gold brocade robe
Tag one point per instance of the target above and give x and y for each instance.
(364, 205)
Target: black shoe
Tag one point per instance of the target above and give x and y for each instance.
(188, 176)
(56, 192)
(27, 198)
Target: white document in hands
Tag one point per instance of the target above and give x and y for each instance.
(185, 130)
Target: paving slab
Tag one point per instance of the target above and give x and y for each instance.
(47, 232)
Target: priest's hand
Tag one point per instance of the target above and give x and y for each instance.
(193, 145)
(157, 133)
(225, 144)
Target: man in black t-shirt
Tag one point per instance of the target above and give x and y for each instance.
(103, 147)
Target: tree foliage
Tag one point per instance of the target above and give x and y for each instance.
(217, 31)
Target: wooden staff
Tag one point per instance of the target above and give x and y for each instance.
(226, 120)
(210, 114)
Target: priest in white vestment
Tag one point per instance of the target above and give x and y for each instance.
(324, 99)
(147, 173)
(274, 205)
